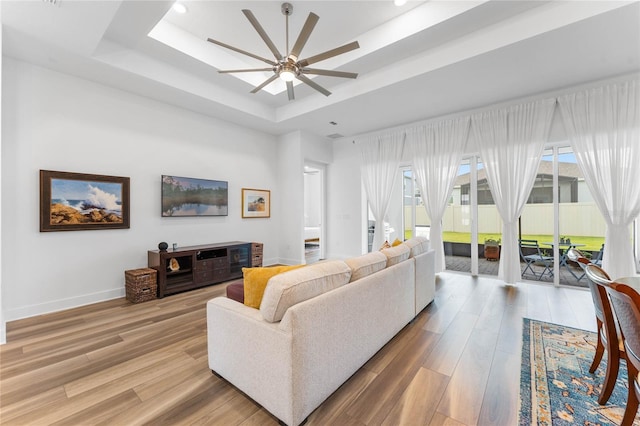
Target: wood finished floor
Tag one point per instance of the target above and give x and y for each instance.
(115, 363)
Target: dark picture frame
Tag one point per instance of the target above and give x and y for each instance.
(184, 196)
(81, 201)
(256, 203)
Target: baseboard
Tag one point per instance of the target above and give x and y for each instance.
(285, 261)
(62, 304)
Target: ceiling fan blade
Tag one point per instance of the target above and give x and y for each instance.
(246, 70)
(310, 23)
(313, 84)
(267, 81)
(262, 33)
(244, 52)
(290, 90)
(330, 73)
(329, 54)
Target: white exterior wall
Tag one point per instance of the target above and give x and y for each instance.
(576, 219)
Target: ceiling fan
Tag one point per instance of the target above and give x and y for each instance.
(290, 67)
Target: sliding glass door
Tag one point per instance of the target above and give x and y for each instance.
(560, 213)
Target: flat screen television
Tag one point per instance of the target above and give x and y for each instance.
(183, 196)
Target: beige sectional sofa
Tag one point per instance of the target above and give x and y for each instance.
(317, 325)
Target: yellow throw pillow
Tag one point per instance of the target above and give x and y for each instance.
(397, 242)
(256, 279)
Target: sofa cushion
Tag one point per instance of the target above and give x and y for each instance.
(256, 279)
(396, 254)
(418, 245)
(366, 264)
(292, 287)
(426, 244)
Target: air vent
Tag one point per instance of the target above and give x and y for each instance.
(335, 136)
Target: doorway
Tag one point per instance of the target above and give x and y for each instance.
(314, 212)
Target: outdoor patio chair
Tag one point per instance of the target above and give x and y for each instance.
(531, 254)
(575, 255)
(626, 304)
(597, 260)
(609, 337)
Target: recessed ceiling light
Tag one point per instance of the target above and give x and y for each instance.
(399, 2)
(179, 7)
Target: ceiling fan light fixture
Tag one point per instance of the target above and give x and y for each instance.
(287, 75)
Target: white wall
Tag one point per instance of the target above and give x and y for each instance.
(59, 122)
(316, 149)
(3, 328)
(291, 199)
(346, 203)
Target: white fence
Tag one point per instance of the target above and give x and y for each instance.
(576, 219)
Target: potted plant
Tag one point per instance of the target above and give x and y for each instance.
(491, 249)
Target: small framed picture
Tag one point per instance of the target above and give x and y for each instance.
(256, 203)
(81, 201)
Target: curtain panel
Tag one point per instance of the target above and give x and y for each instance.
(603, 125)
(381, 157)
(510, 142)
(436, 151)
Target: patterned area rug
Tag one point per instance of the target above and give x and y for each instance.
(556, 387)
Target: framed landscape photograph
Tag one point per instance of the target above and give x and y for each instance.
(182, 196)
(256, 203)
(81, 201)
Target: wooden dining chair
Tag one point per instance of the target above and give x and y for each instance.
(626, 305)
(608, 336)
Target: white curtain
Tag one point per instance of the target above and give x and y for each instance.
(603, 125)
(510, 142)
(381, 156)
(436, 152)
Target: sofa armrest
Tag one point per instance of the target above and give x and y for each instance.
(425, 279)
(249, 352)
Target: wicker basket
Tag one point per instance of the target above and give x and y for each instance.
(140, 284)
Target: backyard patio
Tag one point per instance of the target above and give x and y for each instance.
(488, 267)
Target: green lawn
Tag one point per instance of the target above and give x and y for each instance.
(590, 243)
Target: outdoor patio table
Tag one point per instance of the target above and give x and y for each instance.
(564, 247)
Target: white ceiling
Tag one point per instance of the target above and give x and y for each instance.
(422, 60)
